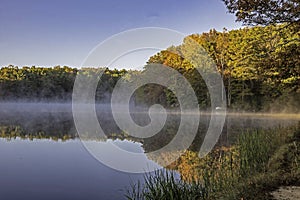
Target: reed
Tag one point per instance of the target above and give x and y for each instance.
(227, 172)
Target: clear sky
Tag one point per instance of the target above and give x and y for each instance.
(63, 32)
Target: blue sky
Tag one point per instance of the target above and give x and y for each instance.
(63, 32)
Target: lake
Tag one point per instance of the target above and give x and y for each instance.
(43, 158)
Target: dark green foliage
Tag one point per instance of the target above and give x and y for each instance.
(51, 84)
(264, 12)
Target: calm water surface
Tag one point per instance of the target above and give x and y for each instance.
(45, 169)
(32, 166)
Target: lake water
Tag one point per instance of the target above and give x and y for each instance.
(45, 169)
(42, 158)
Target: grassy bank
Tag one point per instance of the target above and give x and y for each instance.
(258, 163)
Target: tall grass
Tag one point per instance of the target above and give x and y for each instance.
(226, 173)
(164, 185)
(257, 146)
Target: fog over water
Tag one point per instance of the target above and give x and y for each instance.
(57, 117)
(43, 158)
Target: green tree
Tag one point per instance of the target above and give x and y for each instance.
(265, 12)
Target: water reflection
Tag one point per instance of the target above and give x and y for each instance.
(38, 120)
(55, 122)
(42, 157)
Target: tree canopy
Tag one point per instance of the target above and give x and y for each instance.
(265, 12)
(260, 68)
(259, 65)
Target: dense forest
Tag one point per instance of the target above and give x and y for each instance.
(260, 68)
(51, 84)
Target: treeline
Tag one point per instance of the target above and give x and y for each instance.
(260, 68)
(51, 84)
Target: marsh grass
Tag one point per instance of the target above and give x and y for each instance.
(259, 162)
(165, 185)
